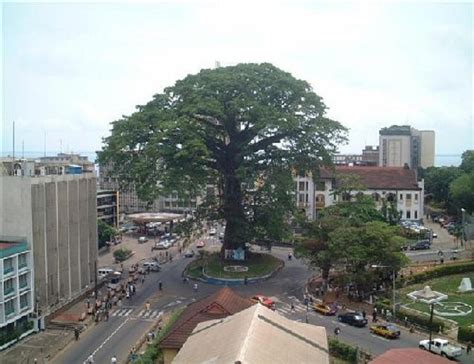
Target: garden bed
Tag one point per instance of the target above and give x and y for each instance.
(258, 265)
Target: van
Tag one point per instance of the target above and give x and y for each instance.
(104, 272)
(153, 266)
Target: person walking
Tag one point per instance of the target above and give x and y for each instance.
(337, 331)
(469, 348)
(160, 285)
(195, 287)
(147, 306)
(76, 333)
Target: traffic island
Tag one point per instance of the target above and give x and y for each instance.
(210, 268)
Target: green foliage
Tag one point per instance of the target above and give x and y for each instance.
(231, 127)
(105, 232)
(122, 254)
(467, 164)
(441, 271)
(342, 351)
(462, 192)
(11, 334)
(466, 334)
(417, 319)
(437, 181)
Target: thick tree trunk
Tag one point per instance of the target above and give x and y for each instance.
(236, 224)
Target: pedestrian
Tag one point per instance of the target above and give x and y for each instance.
(289, 256)
(147, 306)
(364, 314)
(195, 287)
(406, 321)
(389, 315)
(76, 333)
(143, 278)
(160, 286)
(337, 331)
(113, 360)
(374, 316)
(106, 315)
(90, 359)
(469, 348)
(292, 306)
(88, 302)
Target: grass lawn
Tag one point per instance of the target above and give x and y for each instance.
(449, 286)
(258, 265)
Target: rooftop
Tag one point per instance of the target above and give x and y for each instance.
(223, 303)
(378, 178)
(409, 356)
(255, 335)
(8, 248)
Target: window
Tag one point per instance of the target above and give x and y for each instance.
(408, 196)
(23, 281)
(301, 186)
(301, 197)
(8, 265)
(320, 186)
(8, 287)
(401, 196)
(408, 214)
(307, 197)
(24, 301)
(416, 197)
(416, 214)
(9, 308)
(306, 186)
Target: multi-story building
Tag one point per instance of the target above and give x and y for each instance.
(108, 207)
(369, 157)
(57, 215)
(16, 284)
(389, 184)
(404, 145)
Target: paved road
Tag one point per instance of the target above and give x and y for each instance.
(127, 323)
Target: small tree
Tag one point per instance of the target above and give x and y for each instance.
(105, 232)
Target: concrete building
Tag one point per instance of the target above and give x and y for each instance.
(16, 284)
(369, 157)
(404, 145)
(57, 215)
(108, 207)
(383, 184)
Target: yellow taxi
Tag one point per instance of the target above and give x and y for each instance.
(324, 309)
(388, 331)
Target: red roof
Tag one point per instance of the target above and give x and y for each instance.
(4, 245)
(378, 178)
(409, 356)
(223, 303)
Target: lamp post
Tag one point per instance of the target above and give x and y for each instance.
(393, 284)
(463, 236)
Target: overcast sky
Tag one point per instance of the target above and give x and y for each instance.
(71, 69)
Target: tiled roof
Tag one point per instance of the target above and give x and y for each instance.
(409, 356)
(376, 178)
(223, 303)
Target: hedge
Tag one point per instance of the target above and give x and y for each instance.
(441, 271)
(342, 351)
(466, 334)
(122, 254)
(413, 318)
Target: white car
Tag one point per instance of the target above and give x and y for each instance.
(142, 239)
(441, 347)
(212, 231)
(165, 244)
(153, 266)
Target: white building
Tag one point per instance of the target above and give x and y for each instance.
(16, 284)
(395, 184)
(400, 145)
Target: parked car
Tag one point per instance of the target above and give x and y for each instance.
(212, 231)
(104, 272)
(388, 331)
(352, 318)
(421, 245)
(153, 266)
(189, 254)
(324, 309)
(441, 347)
(142, 239)
(200, 244)
(267, 302)
(162, 245)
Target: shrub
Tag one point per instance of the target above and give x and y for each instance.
(466, 334)
(444, 270)
(420, 319)
(342, 351)
(121, 254)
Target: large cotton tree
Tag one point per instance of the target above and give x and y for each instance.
(245, 129)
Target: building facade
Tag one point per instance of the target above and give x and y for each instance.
(16, 283)
(57, 215)
(404, 145)
(383, 184)
(108, 207)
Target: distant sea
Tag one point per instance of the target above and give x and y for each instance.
(440, 159)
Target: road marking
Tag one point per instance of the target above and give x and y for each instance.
(128, 312)
(380, 337)
(108, 338)
(141, 312)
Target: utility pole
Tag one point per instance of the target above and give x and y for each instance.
(393, 292)
(431, 325)
(95, 279)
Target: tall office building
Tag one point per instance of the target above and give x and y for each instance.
(404, 145)
(56, 217)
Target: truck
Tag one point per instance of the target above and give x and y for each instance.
(441, 347)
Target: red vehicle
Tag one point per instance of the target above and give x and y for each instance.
(200, 244)
(267, 302)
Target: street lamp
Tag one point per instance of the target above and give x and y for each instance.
(463, 237)
(393, 282)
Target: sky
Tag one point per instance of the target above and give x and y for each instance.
(70, 69)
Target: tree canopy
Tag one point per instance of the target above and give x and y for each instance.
(243, 129)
